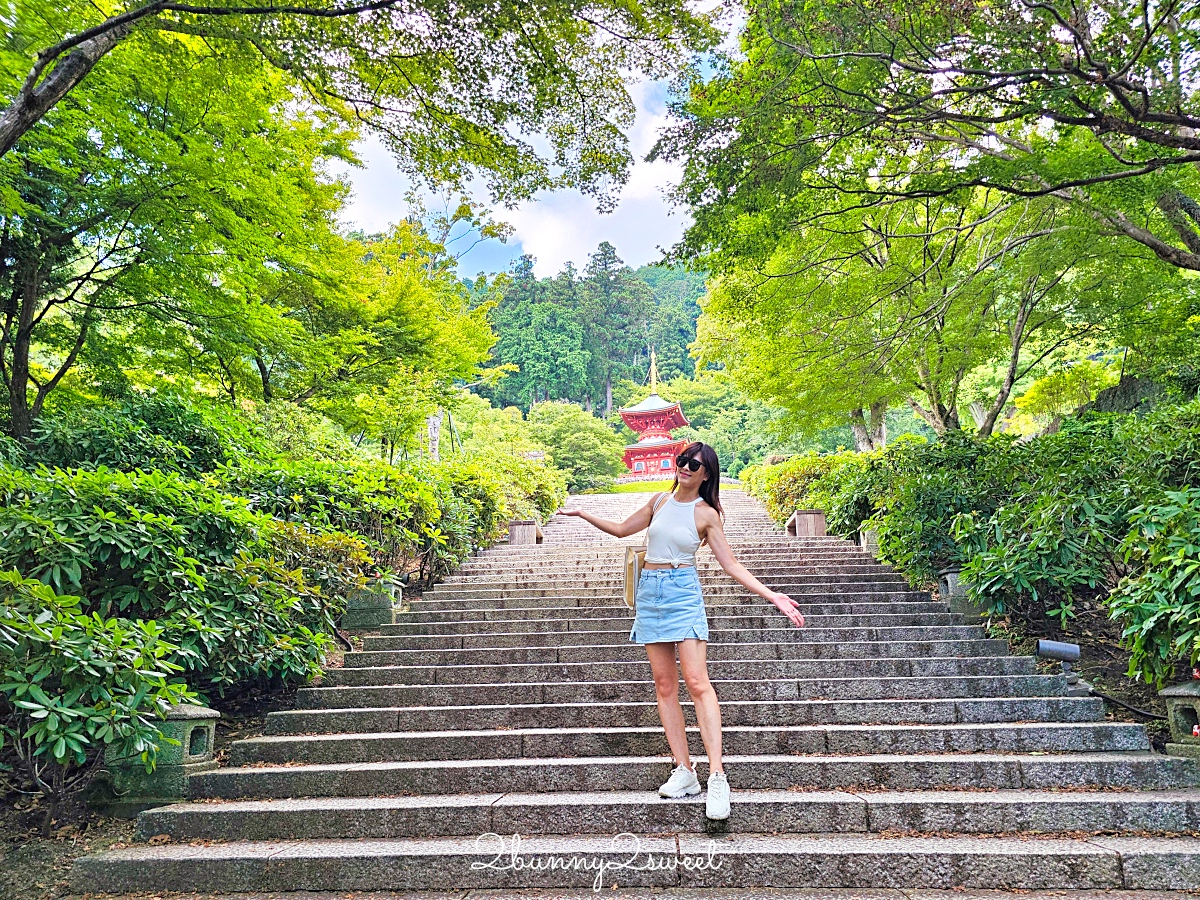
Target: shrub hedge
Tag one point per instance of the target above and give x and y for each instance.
(1100, 515)
(75, 681)
(154, 547)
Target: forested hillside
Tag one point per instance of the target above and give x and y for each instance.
(576, 335)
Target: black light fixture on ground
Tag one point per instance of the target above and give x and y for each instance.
(1076, 687)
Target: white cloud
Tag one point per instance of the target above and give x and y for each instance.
(565, 226)
(555, 227)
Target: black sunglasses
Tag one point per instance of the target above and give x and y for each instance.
(688, 462)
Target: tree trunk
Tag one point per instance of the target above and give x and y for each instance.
(608, 395)
(1174, 204)
(22, 414)
(862, 434)
(878, 424)
(987, 423)
(36, 98)
(264, 372)
(938, 417)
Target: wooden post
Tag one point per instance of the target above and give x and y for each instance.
(807, 523)
(524, 531)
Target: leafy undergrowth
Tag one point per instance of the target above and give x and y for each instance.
(33, 867)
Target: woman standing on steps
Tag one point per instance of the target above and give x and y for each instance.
(669, 611)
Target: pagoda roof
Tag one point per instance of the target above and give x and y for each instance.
(653, 403)
(655, 442)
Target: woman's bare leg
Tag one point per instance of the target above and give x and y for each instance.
(666, 689)
(693, 659)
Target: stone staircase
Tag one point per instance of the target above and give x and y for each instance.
(885, 745)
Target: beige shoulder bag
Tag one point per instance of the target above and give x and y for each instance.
(634, 558)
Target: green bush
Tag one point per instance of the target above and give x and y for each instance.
(294, 433)
(532, 490)
(808, 481)
(923, 487)
(135, 577)
(75, 681)
(11, 453)
(244, 599)
(580, 444)
(391, 509)
(142, 431)
(1051, 537)
(426, 517)
(1044, 530)
(1158, 602)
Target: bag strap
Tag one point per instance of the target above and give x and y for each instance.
(658, 501)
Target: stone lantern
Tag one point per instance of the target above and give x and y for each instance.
(193, 729)
(1183, 716)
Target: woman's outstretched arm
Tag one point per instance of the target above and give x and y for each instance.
(639, 521)
(714, 535)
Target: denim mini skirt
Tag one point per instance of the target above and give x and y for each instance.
(669, 607)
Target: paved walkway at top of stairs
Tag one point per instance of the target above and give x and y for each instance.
(887, 746)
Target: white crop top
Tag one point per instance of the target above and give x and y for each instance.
(672, 537)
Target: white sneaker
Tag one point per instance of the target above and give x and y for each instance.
(682, 783)
(716, 805)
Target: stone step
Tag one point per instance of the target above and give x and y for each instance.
(577, 559)
(918, 649)
(941, 711)
(1090, 737)
(790, 584)
(690, 860)
(616, 812)
(705, 565)
(605, 568)
(624, 617)
(717, 581)
(982, 771)
(431, 611)
(789, 634)
(888, 746)
(570, 557)
(607, 574)
(839, 602)
(724, 669)
(727, 689)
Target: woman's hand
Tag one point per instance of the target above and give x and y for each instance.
(788, 607)
(569, 512)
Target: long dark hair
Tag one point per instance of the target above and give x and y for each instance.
(710, 490)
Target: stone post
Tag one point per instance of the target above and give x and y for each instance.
(433, 427)
(524, 531)
(868, 539)
(372, 606)
(807, 523)
(953, 591)
(1183, 717)
(194, 729)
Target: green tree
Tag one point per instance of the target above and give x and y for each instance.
(151, 202)
(540, 333)
(616, 314)
(451, 87)
(904, 302)
(1090, 103)
(581, 445)
(676, 296)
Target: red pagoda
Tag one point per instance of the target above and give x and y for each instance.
(652, 421)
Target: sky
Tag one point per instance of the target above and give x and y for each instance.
(556, 227)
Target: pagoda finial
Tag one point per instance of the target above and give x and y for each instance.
(653, 373)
